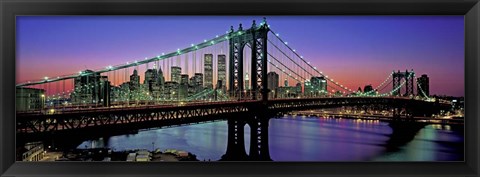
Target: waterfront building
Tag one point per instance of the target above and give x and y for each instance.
(33, 151)
(29, 99)
(286, 92)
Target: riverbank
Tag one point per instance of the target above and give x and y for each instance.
(134, 155)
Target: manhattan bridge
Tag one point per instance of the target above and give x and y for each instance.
(246, 76)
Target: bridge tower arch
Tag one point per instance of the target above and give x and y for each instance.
(256, 38)
(408, 77)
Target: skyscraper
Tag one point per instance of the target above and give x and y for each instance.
(272, 83)
(308, 89)
(151, 78)
(208, 70)
(171, 90)
(134, 81)
(176, 74)
(159, 86)
(160, 78)
(247, 81)
(183, 88)
(286, 82)
(323, 85)
(91, 88)
(222, 71)
(198, 82)
(423, 83)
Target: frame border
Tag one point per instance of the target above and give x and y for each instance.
(12, 8)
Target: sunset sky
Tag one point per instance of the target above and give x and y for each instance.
(354, 50)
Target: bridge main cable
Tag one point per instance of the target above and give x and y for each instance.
(193, 47)
(314, 68)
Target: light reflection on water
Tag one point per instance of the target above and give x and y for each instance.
(301, 139)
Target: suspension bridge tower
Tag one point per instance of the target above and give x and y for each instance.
(408, 77)
(256, 38)
(258, 117)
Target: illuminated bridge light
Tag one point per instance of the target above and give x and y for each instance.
(278, 34)
(286, 43)
(204, 40)
(163, 53)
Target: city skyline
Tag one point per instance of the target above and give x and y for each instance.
(39, 50)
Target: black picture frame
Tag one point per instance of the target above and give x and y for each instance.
(11, 8)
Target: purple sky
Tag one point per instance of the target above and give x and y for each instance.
(353, 50)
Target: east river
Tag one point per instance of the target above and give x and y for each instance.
(297, 138)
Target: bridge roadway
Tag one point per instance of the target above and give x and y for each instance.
(161, 115)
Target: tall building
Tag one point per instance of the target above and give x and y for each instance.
(423, 83)
(151, 78)
(222, 72)
(124, 91)
(318, 86)
(247, 81)
(272, 83)
(134, 85)
(286, 82)
(160, 77)
(368, 88)
(171, 90)
(183, 87)
(323, 85)
(175, 75)
(198, 82)
(208, 70)
(298, 88)
(85, 88)
(134, 81)
(309, 90)
(159, 86)
(104, 92)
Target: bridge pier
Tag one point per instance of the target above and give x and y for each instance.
(236, 142)
(259, 148)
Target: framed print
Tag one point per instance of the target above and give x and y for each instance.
(239, 88)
